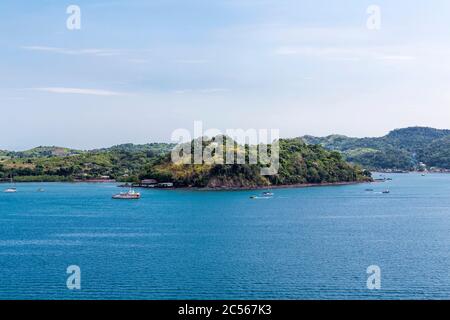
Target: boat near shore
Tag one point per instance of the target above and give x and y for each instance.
(130, 195)
(264, 195)
(10, 190)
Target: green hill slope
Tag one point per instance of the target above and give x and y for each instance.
(401, 149)
(123, 162)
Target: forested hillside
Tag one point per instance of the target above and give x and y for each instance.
(402, 149)
(299, 164)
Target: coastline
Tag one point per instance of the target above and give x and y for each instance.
(284, 186)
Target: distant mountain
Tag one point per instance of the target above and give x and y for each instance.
(402, 149)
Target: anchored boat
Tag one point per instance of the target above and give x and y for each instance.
(10, 190)
(130, 195)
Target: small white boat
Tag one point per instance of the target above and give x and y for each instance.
(268, 194)
(130, 195)
(260, 197)
(10, 190)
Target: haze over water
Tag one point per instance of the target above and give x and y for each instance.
(301, 244)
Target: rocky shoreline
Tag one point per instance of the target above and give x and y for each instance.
(287, 186)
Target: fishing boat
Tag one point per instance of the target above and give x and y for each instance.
(130, 195)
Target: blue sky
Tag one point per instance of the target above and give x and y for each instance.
(138, 70)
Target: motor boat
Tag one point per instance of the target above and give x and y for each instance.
(130, 195)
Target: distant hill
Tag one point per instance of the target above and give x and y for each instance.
(122, 162)
(153, 149)
(303, 160)
(436, 153)
(45, 152)
(299, 163)
(3, 154)
(401, 149)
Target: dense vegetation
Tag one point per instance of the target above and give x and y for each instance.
(299, 164)
(436, 153)
(402, 149)
(123, 163)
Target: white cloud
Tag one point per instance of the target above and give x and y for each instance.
(397, 58)
(384, 53)
(83, 91)
(293, 34)
(138, 60)
(91, 51)
(12, 98)
(191, 61)
(206, 90)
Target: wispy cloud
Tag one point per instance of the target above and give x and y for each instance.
(12, 98)
(397, 58)
(191, 61)
(206, 90)
(88, 51)
(138, 60)
(387, 53)
(92, 51)
(83, 91)
(331, 43)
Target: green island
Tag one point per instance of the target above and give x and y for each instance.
(299, 164)
(302, 161)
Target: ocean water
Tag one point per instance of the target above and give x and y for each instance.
(311, 243)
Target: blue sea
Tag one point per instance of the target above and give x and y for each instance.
(306, 243)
